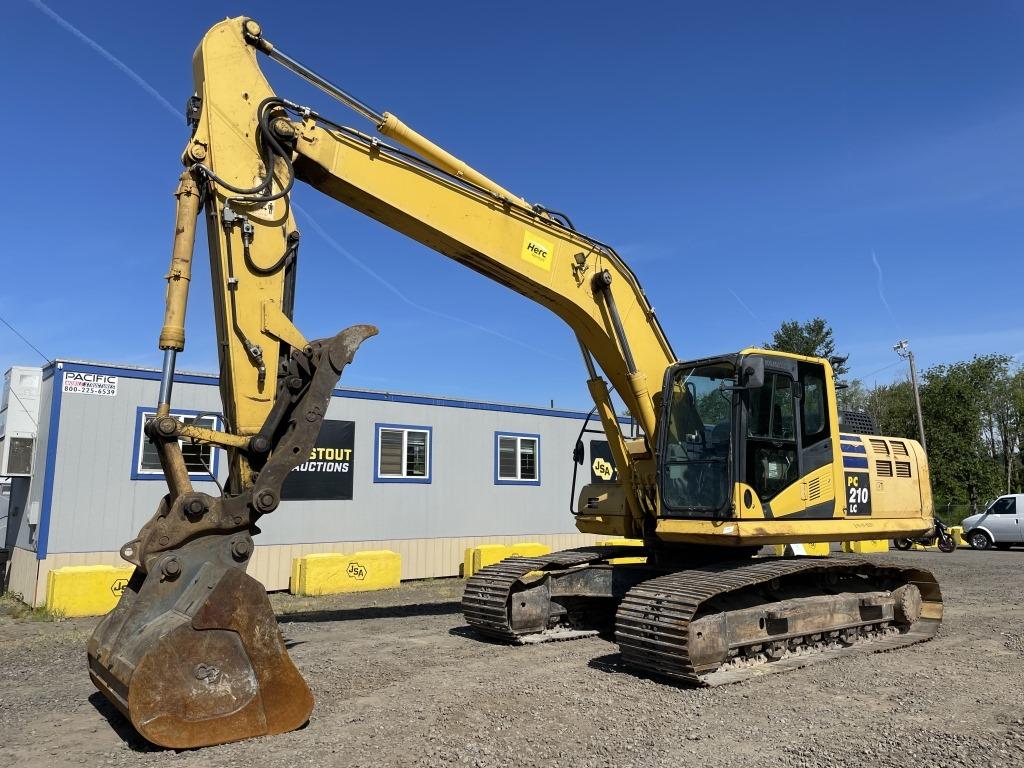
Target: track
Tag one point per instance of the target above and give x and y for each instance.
(486, 599)
(653, 620)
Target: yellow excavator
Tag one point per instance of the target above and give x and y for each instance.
(732, 452)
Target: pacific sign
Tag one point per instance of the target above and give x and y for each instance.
(90, 383)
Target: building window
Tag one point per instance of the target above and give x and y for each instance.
(200, 460)
(401, 454)
(516, 459)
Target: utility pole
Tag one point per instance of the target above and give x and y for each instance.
(903, 350)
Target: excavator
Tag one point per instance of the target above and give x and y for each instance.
(731, 452)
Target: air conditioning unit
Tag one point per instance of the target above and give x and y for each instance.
(19, 419)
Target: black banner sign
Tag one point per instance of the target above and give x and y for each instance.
(602, 467)
(327, 473)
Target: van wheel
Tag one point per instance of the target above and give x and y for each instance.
(979, 540)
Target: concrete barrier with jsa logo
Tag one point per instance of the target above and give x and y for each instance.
(85, 590)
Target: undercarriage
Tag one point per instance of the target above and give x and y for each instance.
(713, 622)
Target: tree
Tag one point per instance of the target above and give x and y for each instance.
(852, 396)
(813, 338)
(957, 403)
(974, 421)
(892, 408)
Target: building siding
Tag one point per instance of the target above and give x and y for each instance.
(96, 506)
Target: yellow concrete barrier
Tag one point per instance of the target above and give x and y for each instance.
(818, 549)
(483, 555)
(328, 573)
(866, 547)
(85, 590)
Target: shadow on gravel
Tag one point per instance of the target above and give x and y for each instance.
(372, 612)
(120, 725)
(469, 633)
(612, 663)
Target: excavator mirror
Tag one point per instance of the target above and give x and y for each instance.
(752, 373)
(577, 452)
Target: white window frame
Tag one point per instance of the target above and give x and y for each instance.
(404, 477)
(519, 437)
(144, 414)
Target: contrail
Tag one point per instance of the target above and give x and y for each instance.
(135, 76)
(141, 82)
(743, 304)
(881, 286)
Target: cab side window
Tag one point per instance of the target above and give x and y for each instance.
(1004, 506)
(771, 458)
(813, 408)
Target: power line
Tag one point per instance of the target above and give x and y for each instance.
(23, 407)
(883, 368)
(18, 334)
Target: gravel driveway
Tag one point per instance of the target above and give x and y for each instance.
(399, 681)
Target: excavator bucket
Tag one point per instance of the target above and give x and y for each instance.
(193, 655)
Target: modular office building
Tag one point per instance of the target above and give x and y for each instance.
(426, 477)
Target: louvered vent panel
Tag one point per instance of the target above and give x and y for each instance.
(884, 468)
(902, 469)
(880, 446)
(899, 448)
(814, 489)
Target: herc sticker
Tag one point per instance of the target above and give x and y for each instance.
(538, 251)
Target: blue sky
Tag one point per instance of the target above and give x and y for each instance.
(748, 159)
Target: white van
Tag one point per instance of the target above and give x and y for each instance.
(1001, 525)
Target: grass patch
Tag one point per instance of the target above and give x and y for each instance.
(12, 605)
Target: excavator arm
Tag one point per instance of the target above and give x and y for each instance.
(190, 599)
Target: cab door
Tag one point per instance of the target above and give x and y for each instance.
(788, 447)
(1002, 519)
(1019, 519)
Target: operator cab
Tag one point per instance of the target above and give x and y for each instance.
(757, 418)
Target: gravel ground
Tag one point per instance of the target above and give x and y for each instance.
(400, 681)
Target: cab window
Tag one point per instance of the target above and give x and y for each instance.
(771, 458)
(813, 407)
(1004, 506)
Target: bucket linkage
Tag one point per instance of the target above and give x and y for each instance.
(192, 654)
